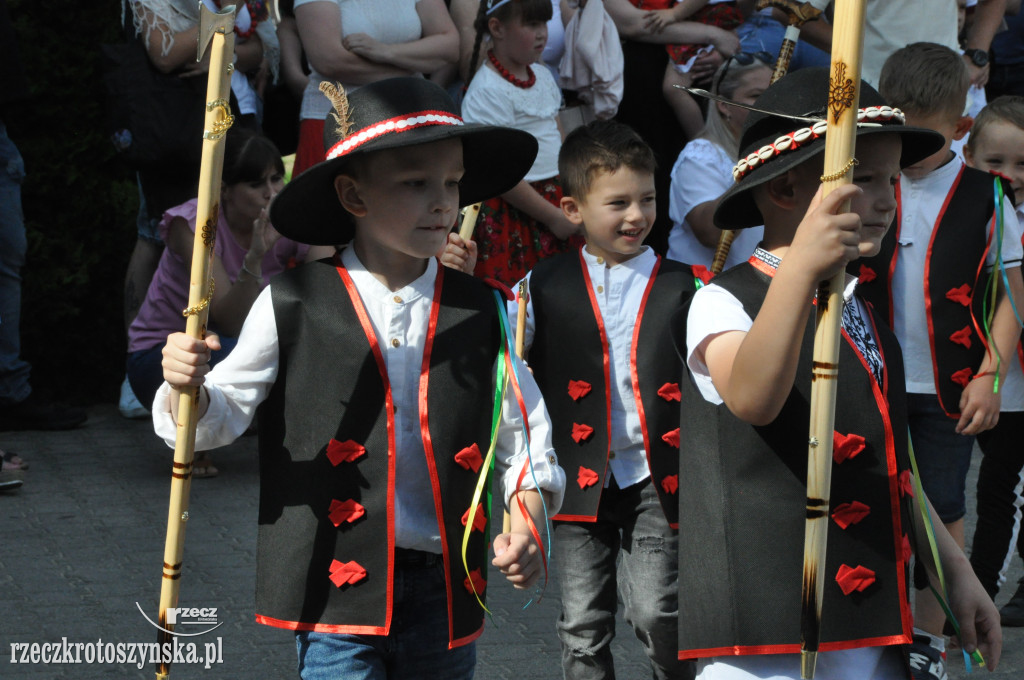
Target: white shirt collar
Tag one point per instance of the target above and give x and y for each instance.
(369, 286)
(643, 261)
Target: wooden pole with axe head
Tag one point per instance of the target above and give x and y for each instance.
(798, 14)
(840, 142)
(216, 30)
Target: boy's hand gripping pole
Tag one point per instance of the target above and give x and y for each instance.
(840, 143)
(797, 14)
(216, 30)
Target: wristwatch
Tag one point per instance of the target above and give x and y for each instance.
(978, 57)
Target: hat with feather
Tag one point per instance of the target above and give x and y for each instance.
(392, 114)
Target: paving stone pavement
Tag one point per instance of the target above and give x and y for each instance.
(81, 547)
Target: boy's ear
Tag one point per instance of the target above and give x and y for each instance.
(781, 190)
(347, 188)
(963, 126)
(571, 209)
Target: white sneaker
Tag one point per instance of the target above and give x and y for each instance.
(129, 405)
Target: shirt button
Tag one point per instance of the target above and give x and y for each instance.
(600, 260)
(600, 289)
(395, 342)
(552, 460)
(398, 300)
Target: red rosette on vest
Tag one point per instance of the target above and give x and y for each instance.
(579, 389)
(854, 579)
(346, 573)
(345, 511)
(586, 477)
(848, 514)
(344, 452)
(846, 446)
(470, 458)
(670, 392)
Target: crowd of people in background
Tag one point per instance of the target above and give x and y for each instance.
(517, 64)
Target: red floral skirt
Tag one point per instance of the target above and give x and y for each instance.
(509, 242)
(725, 15)
(311, 145)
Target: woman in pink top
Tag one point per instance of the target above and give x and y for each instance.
(247, 252)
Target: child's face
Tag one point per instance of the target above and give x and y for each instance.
(520, 42)
(950, 127)
(876, 174)
(405, 200)
(617, 213)
(1000, 148)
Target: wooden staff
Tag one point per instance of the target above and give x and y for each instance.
(469, 216)
(218, 28)
(798, 14)
(840, 143)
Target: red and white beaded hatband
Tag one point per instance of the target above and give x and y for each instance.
(793, 140)
(400, 124)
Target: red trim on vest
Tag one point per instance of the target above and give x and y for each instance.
(928, 294)
(389, 405)
(794, 648)
(428, 444)
(762, 266)
(634, 378)
(880, 393)
(605, 360)
(320, 627)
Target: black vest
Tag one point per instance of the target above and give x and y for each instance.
(569, 356)
(742, 494)
(954, 289)
(327, 453)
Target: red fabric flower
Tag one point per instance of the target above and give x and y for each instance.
(852, 579)
(846, 446)
(906, 548)
(479, 519)
(581, 433)
(961, 294)
(470, 458)
(346, 573)
(962, 337)
(670, 392)
(586, 477)
(670, 484)
(671, 438)
(962, 377)
(579, 389)
(866, 274)
(702, 273)
(345, 511)
(344, 452)
(475, 583)
(906, 484)
(850, 513)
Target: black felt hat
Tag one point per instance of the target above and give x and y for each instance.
(392, 114)
(772, 144)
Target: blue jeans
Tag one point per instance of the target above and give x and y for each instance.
(760, 33)
(630, 546)
(416, 649)
(943, 456)
(14, 371)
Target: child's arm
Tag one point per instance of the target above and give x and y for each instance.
(516, 554)
(525, 198)
(972, 606)
(753, 372)
(657, 20)
(979, 406)
(630, 22)
(438, 46)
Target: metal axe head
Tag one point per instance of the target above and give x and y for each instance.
(211, 22)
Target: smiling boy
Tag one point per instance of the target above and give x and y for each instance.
(375, 371)
(599, 346)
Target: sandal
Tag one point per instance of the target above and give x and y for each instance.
(13, 461)
(203, 468)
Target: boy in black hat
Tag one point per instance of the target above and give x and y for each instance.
(742, 480)
(377, 372)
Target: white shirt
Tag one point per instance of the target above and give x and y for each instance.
(890, 25)
(241, 381)
(493, 100)
(1013, 387)
(619, 292)
(389, 21)
(702, 173)
(921, 200)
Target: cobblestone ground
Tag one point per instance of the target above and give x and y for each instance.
(82, 547)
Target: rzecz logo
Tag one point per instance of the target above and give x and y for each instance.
(187, 616)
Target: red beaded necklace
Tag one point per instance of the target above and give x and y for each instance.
(508, 76)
